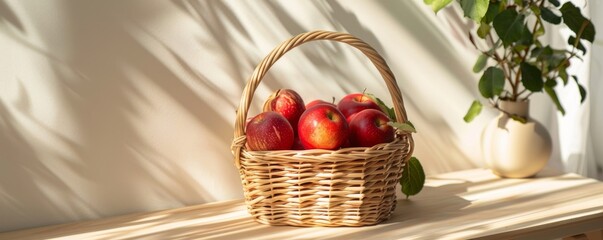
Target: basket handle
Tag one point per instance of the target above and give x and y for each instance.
(261, 70)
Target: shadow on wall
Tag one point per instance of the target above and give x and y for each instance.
(125, 84)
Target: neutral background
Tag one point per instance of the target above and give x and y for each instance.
(111, 107)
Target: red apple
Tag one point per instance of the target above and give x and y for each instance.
(318, 102)
(354, 103)
(369, 127)
(269, 131)
(323, 127)
(288, 103)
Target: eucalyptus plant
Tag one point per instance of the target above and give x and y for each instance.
(516, 62)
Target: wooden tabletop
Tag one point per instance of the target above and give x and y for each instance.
(458, 205)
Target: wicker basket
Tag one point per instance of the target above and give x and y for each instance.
(346, 187)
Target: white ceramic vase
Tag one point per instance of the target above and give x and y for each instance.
(513, 149)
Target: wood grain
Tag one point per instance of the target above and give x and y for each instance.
(458, 205)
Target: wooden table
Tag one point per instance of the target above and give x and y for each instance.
(458, 205)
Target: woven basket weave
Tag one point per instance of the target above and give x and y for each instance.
(346, 187)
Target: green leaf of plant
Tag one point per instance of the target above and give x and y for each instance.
(480, 63)
(582, 93)
(539, 32)
(509, 25)
(550, 83)
(492, 82)
(483, 30)
(535, 9)
(413, 177)
(531, 77)
(555, 2)
(581, 89)
(549, 16)
(526, 37)
(519, 118)
(572, 17)
(475, 9)
(541, 53)
(437, 5)
(563, 74)
(493, 10)
(572, 41)
(406, 127)
(556, 58)
(474, 110)
(551, 92)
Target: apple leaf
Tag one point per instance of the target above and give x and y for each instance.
(389, 111)
(406, 127)
(413, 177)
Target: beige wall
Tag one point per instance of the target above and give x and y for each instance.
(110, 107)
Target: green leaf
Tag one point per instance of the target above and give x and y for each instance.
(551, 92)
(582, 93)
(493, 10)
(531, 77)
(391, 113)
(539, 32)
(563, 74)
(483, 30)
(413, 177)
(535, 9)
(555, 2)
(492, 82)
(581, 89)
(509, 25)
(406, 127)
(556, 58)
(541, 53)
(480, 63)
(526, 37)
(572, 17)
(549, 16)
(519, 118)
(437, 5)
(572, 41)
(550, 83)
(474, 110)
(475, 9)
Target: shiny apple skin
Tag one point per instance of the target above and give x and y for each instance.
(369, 127)
(269, 131)
(322, 127)
(354, 103)
(288, 103)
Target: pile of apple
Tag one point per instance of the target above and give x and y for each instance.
(288, 124)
